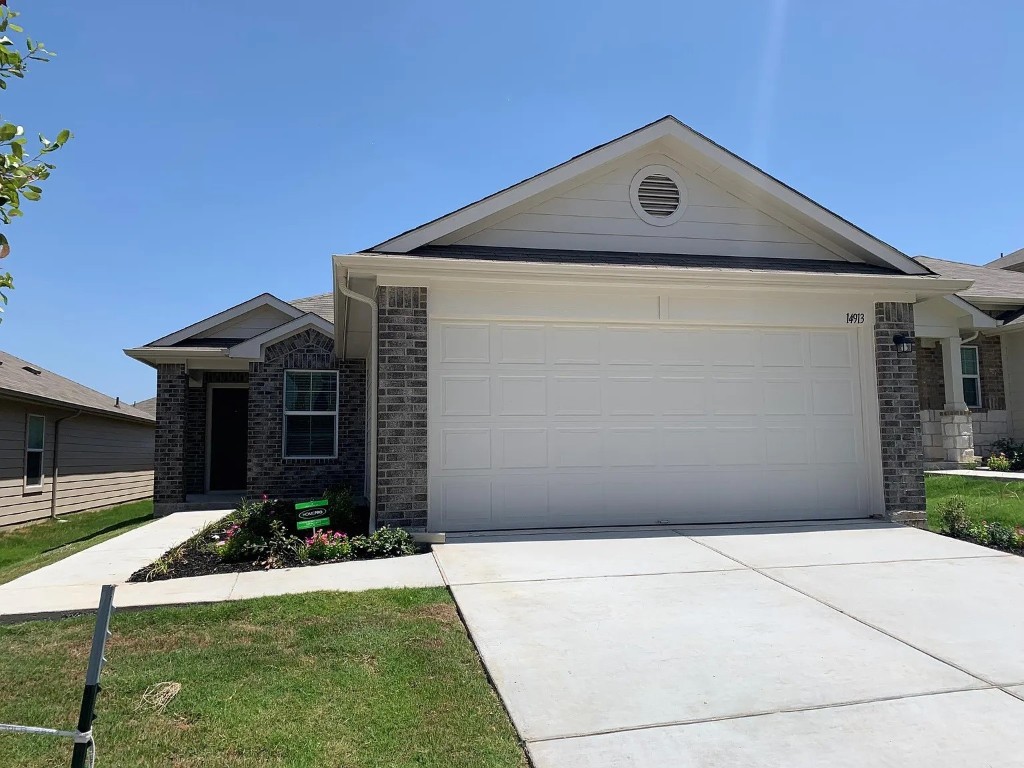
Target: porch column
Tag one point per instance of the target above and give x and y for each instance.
(952, 373)
(957, 430)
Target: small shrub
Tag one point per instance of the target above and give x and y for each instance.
(384, 542)
(1012, 450)
(344, 514)
(328, 545)
(969, 465)
(257, 533)
(999, 463)
(955, 519)
(1001, 535)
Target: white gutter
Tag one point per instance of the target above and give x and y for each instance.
(341, 283)
(397, 268)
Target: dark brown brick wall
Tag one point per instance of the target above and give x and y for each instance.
(169, 450)
(899, 414)
(268, 471)
(990, 366)
(930, 380)
(402, 407)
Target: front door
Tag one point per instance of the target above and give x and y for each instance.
(229, 433)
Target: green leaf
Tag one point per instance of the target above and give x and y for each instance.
(30, 194)
(8, 131)
(62, 137)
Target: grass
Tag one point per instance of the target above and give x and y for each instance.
(991, 500)
(30, 547)
(384, 678)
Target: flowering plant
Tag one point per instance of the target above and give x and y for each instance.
(328, 545)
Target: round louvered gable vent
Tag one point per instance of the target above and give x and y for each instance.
(658, 195)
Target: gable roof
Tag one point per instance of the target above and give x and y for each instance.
(264, 299)
(998, 286)
(26, 381)
(1008, 261)
(717, 164)
(322, 304)
(146, 406)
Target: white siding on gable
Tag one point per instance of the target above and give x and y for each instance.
(252, 323)
(598, 216)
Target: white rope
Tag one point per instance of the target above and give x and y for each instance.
(78, 737)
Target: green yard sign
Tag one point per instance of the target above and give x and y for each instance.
(319, 522)
(311, 504)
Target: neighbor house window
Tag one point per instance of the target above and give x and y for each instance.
(310, 414)
(972, 379)
(35, 431)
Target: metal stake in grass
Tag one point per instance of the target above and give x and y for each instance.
(82, 736)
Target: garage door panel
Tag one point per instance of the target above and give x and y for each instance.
(574, 346)
(833, 397)
(736, 396)
(575, 396)
(520, 345)
(466, 448)
(523, 448)
(630, 396)
(522, 395)
(462, 343)
(577, 447)
(466, 396)
(831, 349)
(574, 424)
(636, 447)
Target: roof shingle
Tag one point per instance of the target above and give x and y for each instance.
(19, 378)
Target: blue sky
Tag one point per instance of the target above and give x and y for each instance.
(224, 148)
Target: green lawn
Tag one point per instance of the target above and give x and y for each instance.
(30, 547)
(381, 679)
(991, 500)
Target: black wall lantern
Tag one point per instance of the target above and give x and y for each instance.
(904, 344)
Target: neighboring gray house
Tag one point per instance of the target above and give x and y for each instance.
(971, 360)
(67, 448)
(654, 331)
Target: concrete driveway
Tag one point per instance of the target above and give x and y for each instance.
(841, 645)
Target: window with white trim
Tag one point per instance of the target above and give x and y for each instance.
(35, 443)
(972, 377)
(310, 414)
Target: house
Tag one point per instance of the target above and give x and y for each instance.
(67, 448)
(971, 360)
(654, 331)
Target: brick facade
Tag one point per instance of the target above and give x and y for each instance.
(169, 449)
(990, 368)
(402, 407)
(931, 381)
(899, 415)
(267, 469)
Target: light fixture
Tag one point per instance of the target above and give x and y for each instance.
(904, 344)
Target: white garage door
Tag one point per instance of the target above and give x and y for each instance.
(551, 425)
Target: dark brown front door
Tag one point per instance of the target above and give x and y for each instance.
(229, 437)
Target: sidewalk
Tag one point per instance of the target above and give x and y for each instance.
(987, 474)
(72, 585)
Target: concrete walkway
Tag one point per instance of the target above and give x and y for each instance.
(988, 474)
(72, 585)
(841, 645)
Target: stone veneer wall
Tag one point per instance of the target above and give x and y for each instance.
(169, 449)
(402, 407)
(899, 415)
(267, 469)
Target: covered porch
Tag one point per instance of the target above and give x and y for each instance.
(960, 382)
